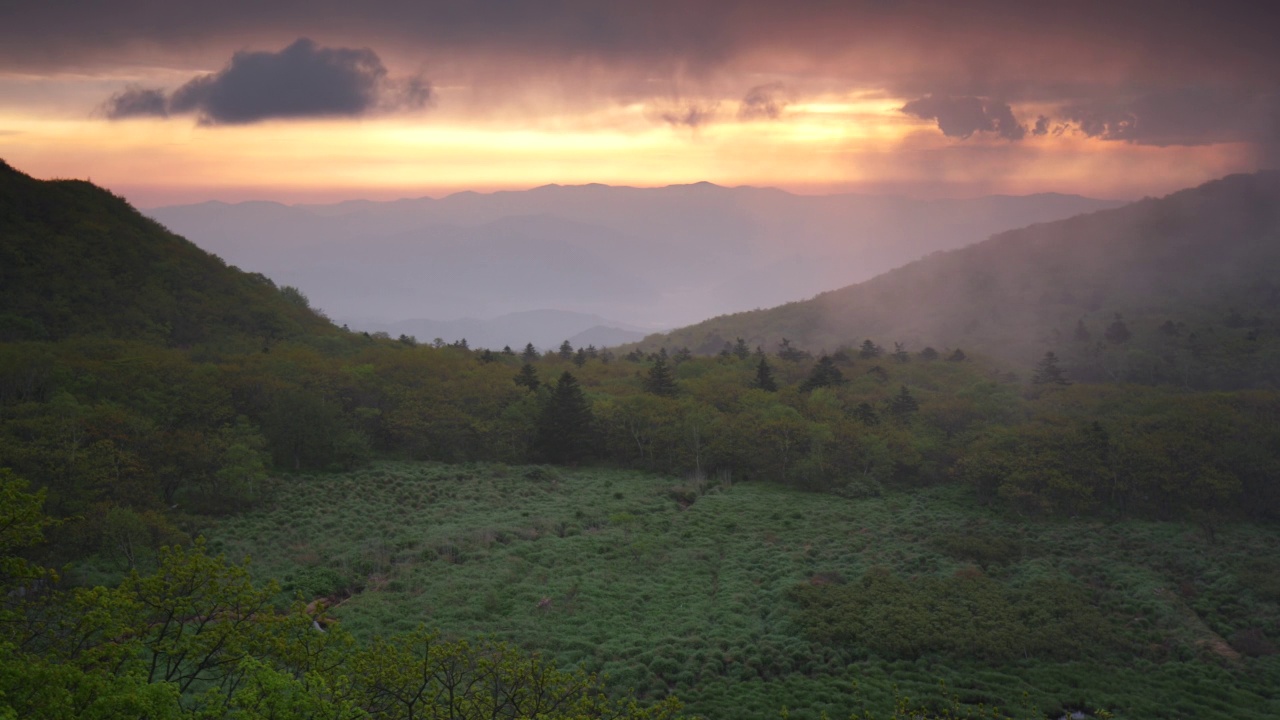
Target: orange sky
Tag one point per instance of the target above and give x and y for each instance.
(909, 98)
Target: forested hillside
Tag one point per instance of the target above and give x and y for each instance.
(150, 395)
(1180, 290)
(77, 261)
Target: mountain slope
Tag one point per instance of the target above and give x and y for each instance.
(1206, 261)
(77, 260)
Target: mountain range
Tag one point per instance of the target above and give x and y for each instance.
(646, 258)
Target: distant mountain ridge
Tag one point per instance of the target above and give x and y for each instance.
(643, 256)
(545, 329)
(1188, 275)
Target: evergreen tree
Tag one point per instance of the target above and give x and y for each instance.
(1047, 371)
(790, 354)
(824, 374)
(530, 353)
(506, 350)
(726, 352)
(866, 414)
(580, 357)
(1117, 332)
(566, 351)
(682, 355)
(660, 380)
(878, 373)
(487, 356)
(903, 405)
(528, 377)
(900, 353)
(928, 354)
(592, 352)
(565, 427)
(741, 350)
(957, 356)
(461, 344)
(869, 350)
(764, 377)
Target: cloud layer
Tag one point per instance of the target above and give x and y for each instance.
(303, 80)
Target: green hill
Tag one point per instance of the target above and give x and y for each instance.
(76, 260)
(1193, 277)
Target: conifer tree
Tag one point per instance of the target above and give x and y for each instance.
(528, 377)
(741, 350)
(928, 354)
(957, 356)
(580, 357)
(530, 353)
(566, 425)
(903, 405)
(869, 350)
(764, 377)
(824, 374)
(1047, 371)
(506, 350)
(1117, 332)
(566, 351)
(900, 353)
(660, 380)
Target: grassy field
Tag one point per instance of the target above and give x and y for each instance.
(672, 588)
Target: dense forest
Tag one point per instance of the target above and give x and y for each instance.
(151, 394)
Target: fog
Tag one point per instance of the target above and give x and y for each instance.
(628, 258)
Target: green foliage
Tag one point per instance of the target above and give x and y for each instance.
(660, 380)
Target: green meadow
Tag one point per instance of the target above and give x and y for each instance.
(754, 600)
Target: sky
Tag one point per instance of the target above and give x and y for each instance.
(166, 101)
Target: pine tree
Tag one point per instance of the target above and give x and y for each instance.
(900, 353)
(866, 414)
(566, 351)
(928, 354)
(1047, 371)
(824, 374)
(565, 427)
(790, 354)
(903, 405)
(869, 350)
(528, 377)
(506, 350)
(741, 350)
(660, 380)
(682, 355)
(764, 377)
(580, 357)
(957, 356)
(1117, 332)
(530, 353)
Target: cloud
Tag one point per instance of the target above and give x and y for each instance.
(136, 101)
(692, 115)
(961, 117)
(303, 80)
(763, 102)
(1184, 116)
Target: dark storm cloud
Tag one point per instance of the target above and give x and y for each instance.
(961, 117)
(136, 101)
(763, 102)
(303, 80)
(1189, 116)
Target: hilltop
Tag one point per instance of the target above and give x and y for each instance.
(76, 260)
(1191, 278)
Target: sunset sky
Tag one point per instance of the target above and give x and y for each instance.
(172, 101)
